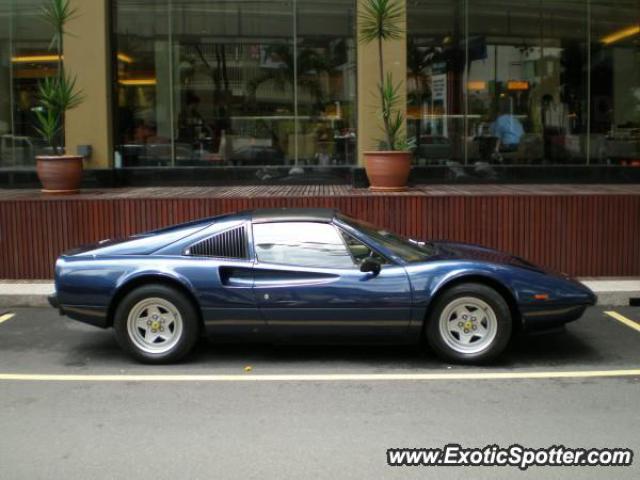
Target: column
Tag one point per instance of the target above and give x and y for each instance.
(87, 55)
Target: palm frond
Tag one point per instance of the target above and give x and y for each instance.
(381, 20)
(68, 95)
(392, 117)
(49, 125)
(57, 13)
(58, 94)
(47, 92)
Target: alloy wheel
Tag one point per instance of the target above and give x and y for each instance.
(468, 325)
(154, 325)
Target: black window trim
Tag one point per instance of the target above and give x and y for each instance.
(248, 250)
(343, 232)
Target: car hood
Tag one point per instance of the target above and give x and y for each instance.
(467, 251)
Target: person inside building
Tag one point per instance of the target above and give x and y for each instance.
(507, 129)
(555, 127)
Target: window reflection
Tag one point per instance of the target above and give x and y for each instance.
(301, 244)
(326, 82)
(228, 86)
(515, 82)
(144, 130)
(435, 69)
(25, 59)
(527, 86)
(615, 82)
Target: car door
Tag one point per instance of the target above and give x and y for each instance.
(306, 282)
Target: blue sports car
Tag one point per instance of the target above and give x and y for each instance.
(308, 274)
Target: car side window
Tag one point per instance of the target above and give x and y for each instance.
(359, 251)
(231, 243)
(305, 244)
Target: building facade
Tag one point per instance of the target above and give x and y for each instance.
(268, 91)
(261, 92)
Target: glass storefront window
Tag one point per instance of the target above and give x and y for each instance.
(6, 102)
(236, 84)
(25, 59)
(234, 95)
(326, 99)
(615, 82)
(143, 84)
(527, 81)
(516, 82)
(435, 80)
(271, 85)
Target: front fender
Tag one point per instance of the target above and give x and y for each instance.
(428, 280)
(537, 298)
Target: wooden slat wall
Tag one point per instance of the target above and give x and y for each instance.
(583, 235)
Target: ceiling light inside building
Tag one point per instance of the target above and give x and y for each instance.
(621, 34)
(123, 57)
(138, 82)
(36, 59)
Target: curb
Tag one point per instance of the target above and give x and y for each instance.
(616, 293)
(23, 294)
(23, 301)
(17, 294)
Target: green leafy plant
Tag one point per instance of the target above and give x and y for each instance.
(382, 20)
(309, 65)
(57, 94)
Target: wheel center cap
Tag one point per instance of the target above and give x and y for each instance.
(468, 325)
(155, 325)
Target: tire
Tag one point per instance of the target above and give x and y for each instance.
(156, 324)
(481, 335)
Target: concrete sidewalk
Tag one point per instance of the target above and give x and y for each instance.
(14, 294)
(614, 291)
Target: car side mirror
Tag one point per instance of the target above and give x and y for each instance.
(370, 265)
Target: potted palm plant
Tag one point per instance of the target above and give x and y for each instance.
(387, 168)
(57, 171)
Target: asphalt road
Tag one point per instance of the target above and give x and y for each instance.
(91, 428)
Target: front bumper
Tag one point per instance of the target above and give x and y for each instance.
(551, 316)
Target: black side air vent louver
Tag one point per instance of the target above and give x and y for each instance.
(229, 244)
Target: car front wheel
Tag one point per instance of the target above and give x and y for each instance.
(156, 324)
(470, 323)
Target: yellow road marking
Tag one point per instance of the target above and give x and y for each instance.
(335, 377)
(6, 316)
(621, 318)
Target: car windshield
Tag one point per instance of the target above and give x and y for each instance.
(409, 251)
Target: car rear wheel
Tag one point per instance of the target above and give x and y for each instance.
(470, 323)
(156, 324)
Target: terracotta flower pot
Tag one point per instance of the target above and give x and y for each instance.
(59, 173)
(388, 171)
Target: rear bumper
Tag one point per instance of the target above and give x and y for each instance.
(53, 301)
(96, 316)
